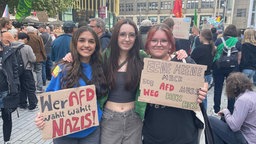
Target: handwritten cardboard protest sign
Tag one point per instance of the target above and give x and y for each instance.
(68, 111)
(42, 16)
(172, 84)
(181, 27)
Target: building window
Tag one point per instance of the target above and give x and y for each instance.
(241, 13)
(141, 6)
(140, 19)
(166, 5)
(153, 19)
(192, 4)
(121, 7)
(253, 19)
(207, 4)
(153, 6)
(162, 18)
(129, 7)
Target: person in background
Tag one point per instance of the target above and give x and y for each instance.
(36, 43)
(179, 43)
(214, 34)
(248, 59)
(163, 124)
(47, 65)
(9, 87)
(27, 82)
(6, 25)
(86, 69)
(144, 28)
(239, 127)
(60, 46)
(196, 42)
(98, 25)
(219, 74)
(203, 55)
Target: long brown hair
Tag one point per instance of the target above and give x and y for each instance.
(207, 34)
(73, 71)
(237, 83)
(135, 63)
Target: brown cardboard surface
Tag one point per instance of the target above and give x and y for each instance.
(181, 27)
(68, 111)
(171, 83)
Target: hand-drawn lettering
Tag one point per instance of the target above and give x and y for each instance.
(148, 92)
(188, 70)
(79, 110)
(55, 115)
(158, 67)
(84, 95)
(173, 97)
(64, 126)
(166, 87)
(173, 78)
(150, 82)
(188, 90)
(49, 105)
(190, 105)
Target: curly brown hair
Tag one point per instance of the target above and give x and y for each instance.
(237, 83)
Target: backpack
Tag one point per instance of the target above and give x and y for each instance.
(229, 56)
(21, 65)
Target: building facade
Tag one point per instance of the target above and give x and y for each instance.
(238, 12)
(83, 10)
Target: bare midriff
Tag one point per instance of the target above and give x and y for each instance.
(119, 107)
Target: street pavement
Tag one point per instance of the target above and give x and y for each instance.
(24, 130)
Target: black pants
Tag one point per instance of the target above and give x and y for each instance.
(28, 89)
(7, 123)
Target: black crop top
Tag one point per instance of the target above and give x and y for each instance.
(119, 93)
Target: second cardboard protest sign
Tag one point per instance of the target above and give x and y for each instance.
(172, 84)
(68, 111)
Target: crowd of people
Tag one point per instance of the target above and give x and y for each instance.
(113, 61)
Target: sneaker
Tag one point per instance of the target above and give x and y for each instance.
(8, 142)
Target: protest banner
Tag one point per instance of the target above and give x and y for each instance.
(170, 83)
(68, 111)
(181, 27)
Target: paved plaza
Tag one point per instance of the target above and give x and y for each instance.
(24, 130)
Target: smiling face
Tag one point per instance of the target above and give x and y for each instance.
(159, 45)
(86, 46)
(126, 37)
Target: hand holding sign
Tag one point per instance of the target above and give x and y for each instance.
(172, 84)
(67, 111)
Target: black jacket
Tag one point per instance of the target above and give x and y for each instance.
(10, 69)
(248, 60)
(105, 39)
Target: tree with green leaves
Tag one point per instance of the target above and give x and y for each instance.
(24, 7)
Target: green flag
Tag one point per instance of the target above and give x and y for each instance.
(195, 18)
(23, 9)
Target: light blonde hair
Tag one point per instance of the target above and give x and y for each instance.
(249, 36)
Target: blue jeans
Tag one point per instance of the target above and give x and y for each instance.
(219, 75)
(38, 71)
(223, 134)
(249, 73)
(46, 69)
